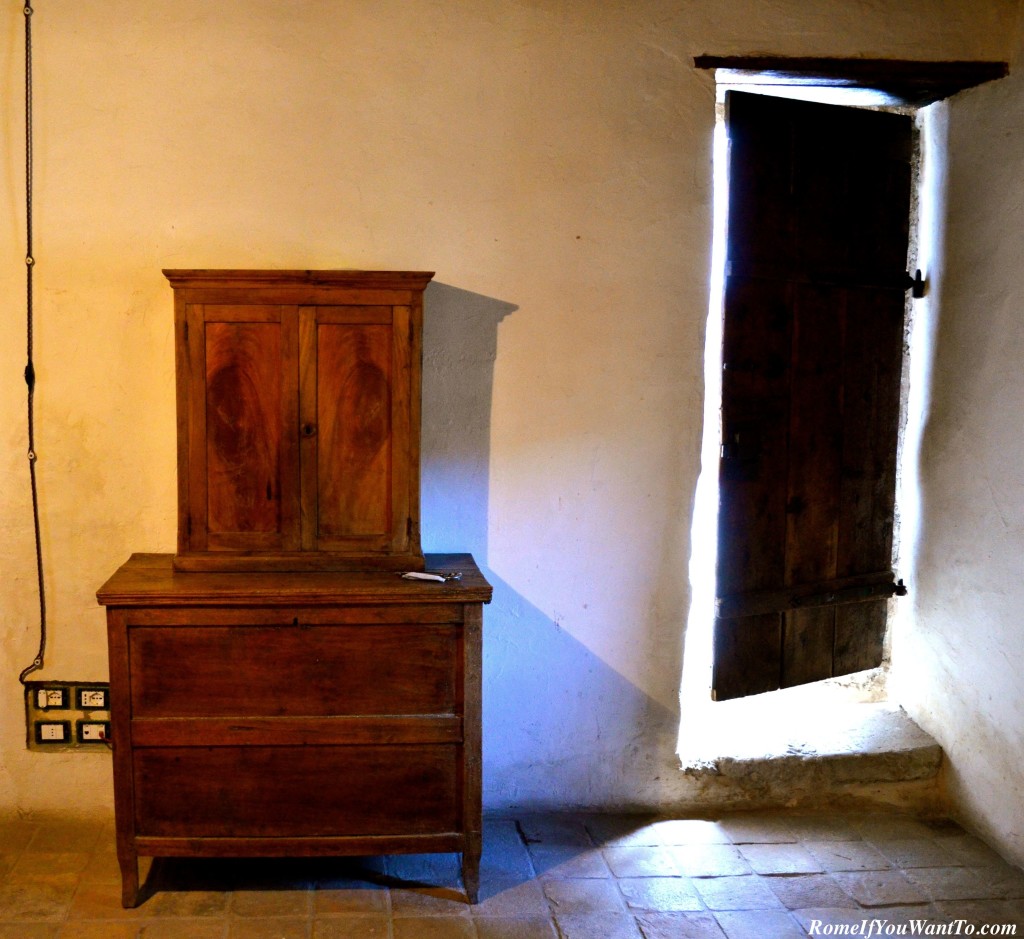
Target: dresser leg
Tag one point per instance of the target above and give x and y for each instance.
(129, 863)
(471, 869)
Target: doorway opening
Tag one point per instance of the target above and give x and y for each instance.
(764, 722)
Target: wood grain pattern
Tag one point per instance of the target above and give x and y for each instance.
(212, 671)
(296, 791)
(299, 444)
(289, 714)
(812, 352)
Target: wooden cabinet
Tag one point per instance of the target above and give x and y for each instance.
(298, 399)
(294, 714)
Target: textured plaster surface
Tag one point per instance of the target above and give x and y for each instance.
(551, 161)
(957, 664)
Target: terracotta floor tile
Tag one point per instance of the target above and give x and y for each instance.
(269, 928)
(33, 901)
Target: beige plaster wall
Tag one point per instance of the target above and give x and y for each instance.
(551, 161)
(957, 664)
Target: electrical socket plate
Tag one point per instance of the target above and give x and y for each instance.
(67, 715)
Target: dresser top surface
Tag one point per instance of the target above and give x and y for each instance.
(150, 580)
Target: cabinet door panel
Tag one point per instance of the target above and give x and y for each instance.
(203, 792)
(355, 401)
(243, 428)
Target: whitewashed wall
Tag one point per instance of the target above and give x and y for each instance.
(958, 664)
(551, 161)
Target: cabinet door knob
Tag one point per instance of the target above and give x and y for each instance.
(308, 430)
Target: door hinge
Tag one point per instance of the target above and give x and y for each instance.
(916, 284)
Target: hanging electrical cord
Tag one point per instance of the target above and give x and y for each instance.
(30, 371)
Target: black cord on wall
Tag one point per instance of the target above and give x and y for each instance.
(30, 371)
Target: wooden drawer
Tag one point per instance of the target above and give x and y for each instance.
(294, 671)
(210, 792)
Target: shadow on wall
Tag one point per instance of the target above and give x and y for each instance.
(562, 729)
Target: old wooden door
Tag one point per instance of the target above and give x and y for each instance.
(815, 292)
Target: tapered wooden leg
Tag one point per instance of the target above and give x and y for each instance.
(471, 867)
(129, 863)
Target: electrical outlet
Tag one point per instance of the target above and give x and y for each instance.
(52, 698)
(67, 715)
(90, 699)
(50, 732)
(93, 731)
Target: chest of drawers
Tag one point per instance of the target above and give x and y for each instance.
(294, 714)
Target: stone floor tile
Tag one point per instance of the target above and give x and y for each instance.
(607, 830)
(969, 851)
(975, 912)
(347, 898)
(848, 856)
(51, 902)
(915, 852)
(687, 831)
(105, 929)
(660, 894)
(597, 926)
(505, 853)
(814, 919)
(711, 860)
(758, 829)
(426, 870)
(41, 866)
(428, 901)
(537, 927)
(31, 931)
(351, 926)
(884, 826)
(759, 924)
(943, 827)
(71, 836)
(880, 888)
(780, 859)
(183, 929)
(102, 867)
(15, 836)
(568, 861)
(636, 861)
(281, 927)
(809, 890)
(554, 829)
(583, 896)
(747, 892)
(957, 883)
(521, 899)
(189, 903)
(822, 826)
(262, 903)
(434, 927)
(679, 926)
